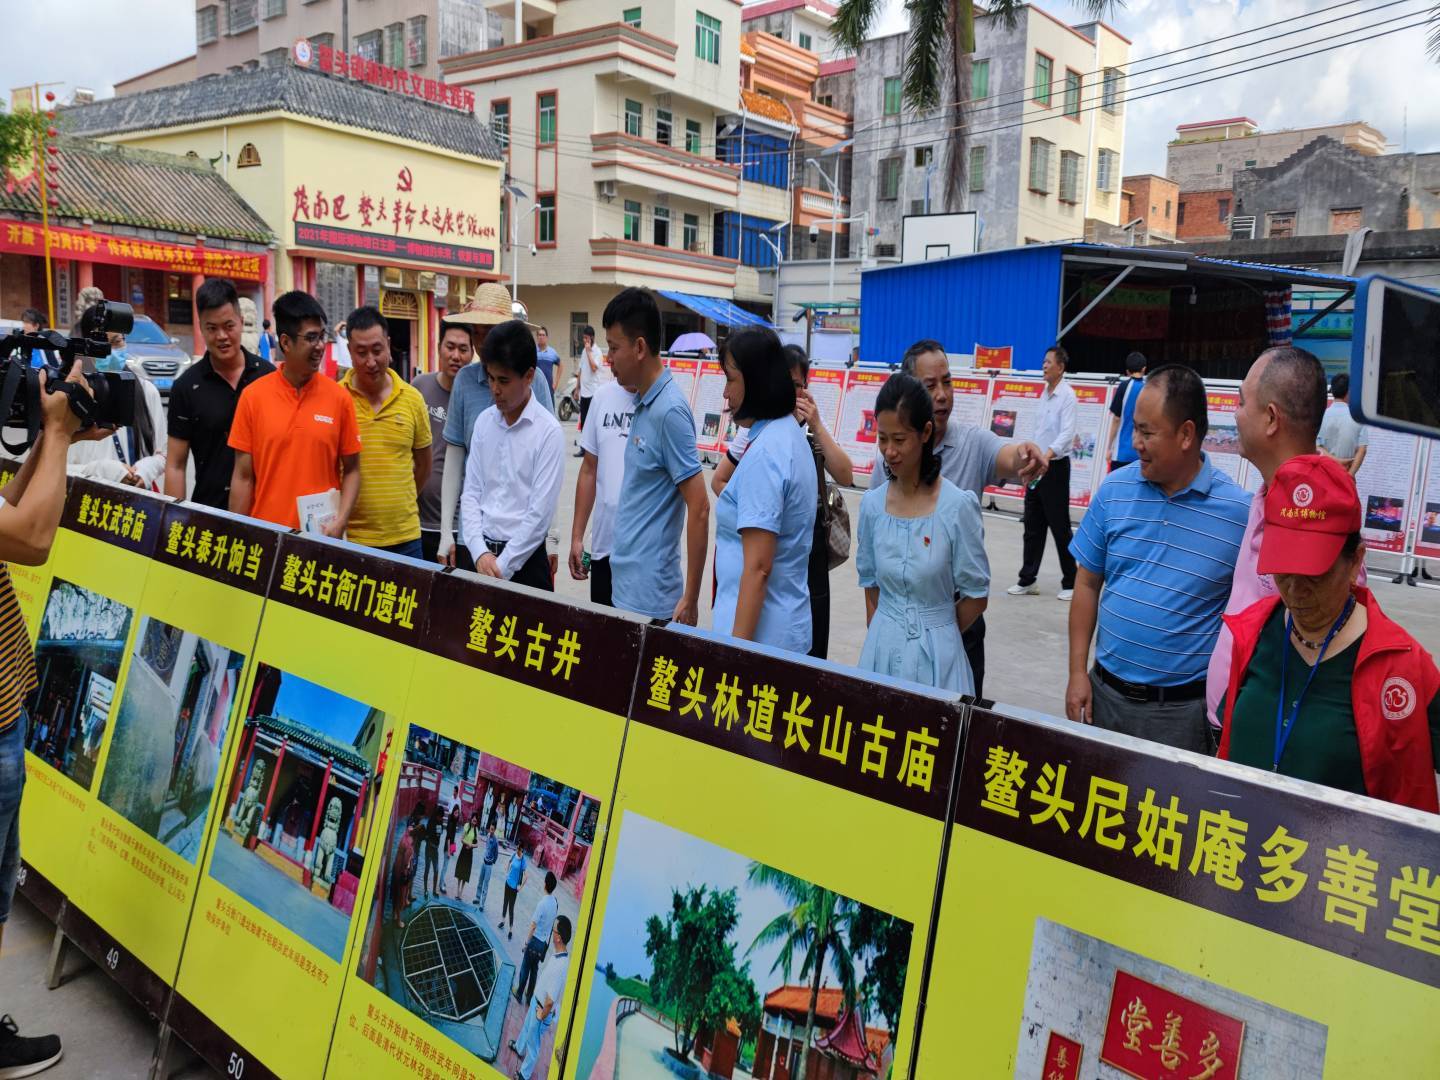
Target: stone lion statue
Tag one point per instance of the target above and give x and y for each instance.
(322, 856)
(247, 811)
(250, 315)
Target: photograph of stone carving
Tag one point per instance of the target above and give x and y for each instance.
(77, 661)
(169, 735)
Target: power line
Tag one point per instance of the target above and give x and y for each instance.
(996, 102)
(1154, 89)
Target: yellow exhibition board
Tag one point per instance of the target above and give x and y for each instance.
(1112, 908)
(512, 732)
(172, 725)
(775, 850)
(291, 838)
(96, 577)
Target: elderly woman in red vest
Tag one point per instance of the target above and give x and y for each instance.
(1323, 687)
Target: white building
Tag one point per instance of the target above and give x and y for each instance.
(609, 116)
(1046, 134)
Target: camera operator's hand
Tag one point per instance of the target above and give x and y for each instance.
(132, 478)
(60, 420)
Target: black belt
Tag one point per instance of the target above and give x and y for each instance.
(1160, 695)
(497, 547)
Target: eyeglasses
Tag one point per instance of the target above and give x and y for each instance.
(313, 337)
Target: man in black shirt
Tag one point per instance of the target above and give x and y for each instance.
(203, 399)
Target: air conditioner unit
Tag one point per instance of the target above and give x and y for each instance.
(606, 190)
(662, 101)
(1242, 227)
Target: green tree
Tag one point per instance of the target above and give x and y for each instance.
(694, 975)
(884, 941)
(817, 929)
(19, 132)
(937, 61)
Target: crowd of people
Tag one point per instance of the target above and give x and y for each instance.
(1187, 596)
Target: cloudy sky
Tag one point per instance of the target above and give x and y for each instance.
(1371, 80)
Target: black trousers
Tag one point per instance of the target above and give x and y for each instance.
(584, 410)
(974, 641)
(535, 571)
(600, 591)
(1047, 509)
(430, 545)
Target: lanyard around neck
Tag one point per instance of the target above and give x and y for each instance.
(1284, 726)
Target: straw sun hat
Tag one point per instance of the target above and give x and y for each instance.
(490, 306)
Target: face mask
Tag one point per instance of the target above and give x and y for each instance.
(114, 362)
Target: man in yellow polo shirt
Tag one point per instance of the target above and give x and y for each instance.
(394, 441)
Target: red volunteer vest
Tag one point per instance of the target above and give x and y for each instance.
(1395, 681)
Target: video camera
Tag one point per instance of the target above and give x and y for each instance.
(113, 400)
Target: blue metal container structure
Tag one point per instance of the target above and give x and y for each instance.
(1025, 297)
(1009, 297)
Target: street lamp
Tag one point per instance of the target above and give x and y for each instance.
(516, 193)
(833, 185)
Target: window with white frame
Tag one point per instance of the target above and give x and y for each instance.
(1041, 153)
(664, 126)
(1105, 170)
(207, 25)
(633, 210)
(634, 117)
(662, 226)
(690, 232)
(1069, 177)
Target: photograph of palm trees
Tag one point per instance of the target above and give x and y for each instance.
(711, 964)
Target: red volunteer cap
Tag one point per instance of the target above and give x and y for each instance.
(1310, 508)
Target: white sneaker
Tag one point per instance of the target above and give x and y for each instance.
(1024, 590)
(1065, 594)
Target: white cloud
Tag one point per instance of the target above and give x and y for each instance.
(93, 43)
(1370, 80)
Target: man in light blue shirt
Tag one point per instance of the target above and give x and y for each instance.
(1161, 538)
(663, 485)
(547, 360)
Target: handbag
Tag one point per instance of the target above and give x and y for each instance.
(834, 515)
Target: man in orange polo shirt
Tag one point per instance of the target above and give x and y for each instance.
(295, 433)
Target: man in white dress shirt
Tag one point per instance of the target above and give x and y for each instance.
(1047, 501)
(515, 466)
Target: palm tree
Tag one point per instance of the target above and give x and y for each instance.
(937, 61)
(817, 928)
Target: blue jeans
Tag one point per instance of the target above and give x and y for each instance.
(528, 1045)
(484, 890)
(411, 549)
(12, 786)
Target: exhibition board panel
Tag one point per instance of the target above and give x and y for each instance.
(95, 579)
(171, 726)
(515, 720)
(1112, 907)
(777, 834)
(292, 837)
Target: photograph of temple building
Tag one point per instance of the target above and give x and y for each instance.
(170, 734)
(299, 804)
(482, 857)
(713, 965)
(77, 660)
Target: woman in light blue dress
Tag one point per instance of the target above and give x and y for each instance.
(920, 551)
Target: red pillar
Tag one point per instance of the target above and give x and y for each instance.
(320, 806)
(359, 285)
(272, 267)
(360, 809)
(274, 779)
(85, 276)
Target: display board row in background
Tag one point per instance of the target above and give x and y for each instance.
(1399, 481)
(240, 739)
